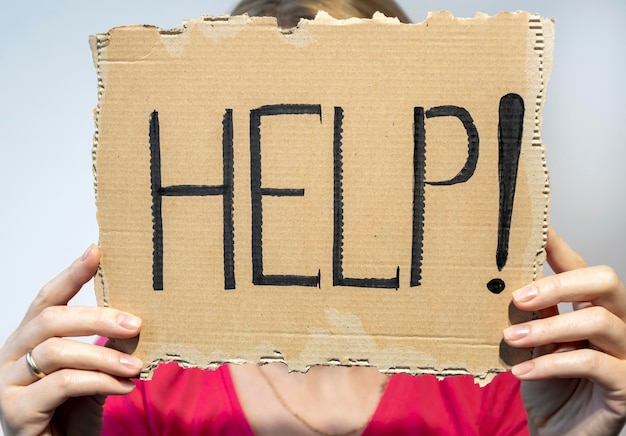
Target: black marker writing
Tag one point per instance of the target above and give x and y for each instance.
(258, 191)
(159, 191)
(338, 277)
(419, 170)
(510, 129)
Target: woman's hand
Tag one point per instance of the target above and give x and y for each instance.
(67, 397)
(576, 382)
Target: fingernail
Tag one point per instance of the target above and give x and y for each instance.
(86, 253)
(516, 332)
(523, 368)
(131, 362)
(128, 384)
(128, 321)
(526, 294)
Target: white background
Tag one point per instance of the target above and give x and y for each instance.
(48, 92)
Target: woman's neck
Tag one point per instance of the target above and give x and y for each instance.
(325, 400)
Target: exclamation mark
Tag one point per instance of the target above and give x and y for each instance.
(510, 129)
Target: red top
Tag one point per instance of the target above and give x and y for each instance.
(192, 402)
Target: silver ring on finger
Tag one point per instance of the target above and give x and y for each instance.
(32, 366)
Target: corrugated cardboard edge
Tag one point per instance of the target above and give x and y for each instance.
(97, 43)
(540, 40)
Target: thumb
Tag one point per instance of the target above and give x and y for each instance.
(61, 289)
(561, 257)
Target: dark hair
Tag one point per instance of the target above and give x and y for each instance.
(289, 12)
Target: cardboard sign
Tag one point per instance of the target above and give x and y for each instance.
(357, 192)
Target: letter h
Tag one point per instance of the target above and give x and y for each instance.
(159, 191)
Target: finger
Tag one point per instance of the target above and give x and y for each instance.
(561, 257)
(56, 354)
(70, 383)
(548, 348)
(61, 289)
(62, 321)
(601, 368)
(599, 285)
(595, 324)
(52, 391)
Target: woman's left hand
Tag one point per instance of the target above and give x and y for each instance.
(576, 381)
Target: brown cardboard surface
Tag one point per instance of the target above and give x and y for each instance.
(324, 195)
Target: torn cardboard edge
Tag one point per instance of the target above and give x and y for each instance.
(540, 35)
(129, 346)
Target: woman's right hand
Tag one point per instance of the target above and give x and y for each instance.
(78, 376)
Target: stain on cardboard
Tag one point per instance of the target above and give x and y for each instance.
(358, 192)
